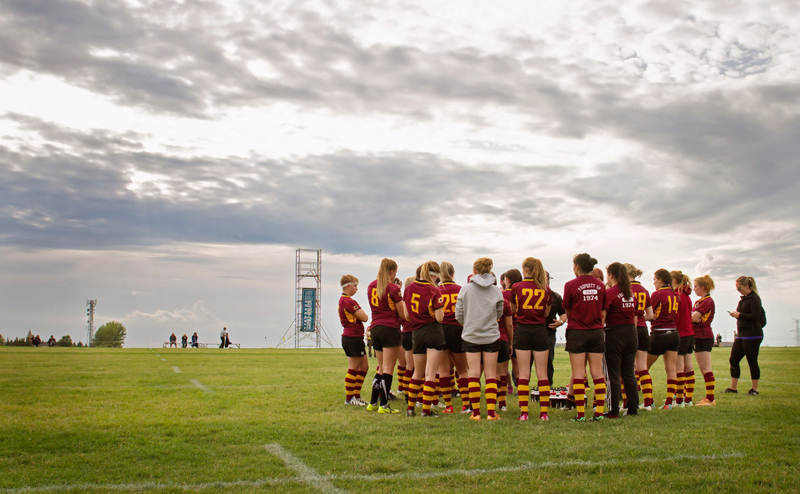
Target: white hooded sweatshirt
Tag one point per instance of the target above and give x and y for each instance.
(479, 306)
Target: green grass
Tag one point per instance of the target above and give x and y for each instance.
(106, 420)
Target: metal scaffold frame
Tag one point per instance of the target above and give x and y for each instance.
(308, 274)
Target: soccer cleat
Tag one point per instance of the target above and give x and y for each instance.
(705, 402)
(430, 414)
(579, 419)
(419, 404)
(666, 407)
(474, 417)
(752, 392)
(392, 396)
(372, 408)
(612, 416)
(388, 409)
(544, 418)
(569, 406)
(358, 401)
(349, 402)
(597, 418)
(688, 404)
(439, 404)
(448, 410)
(502, 408)
(523, 417)
(493, 417)
(466, 409)
(647, 408)
(411, 413)
(729, 390)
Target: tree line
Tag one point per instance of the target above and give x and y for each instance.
(109, 335)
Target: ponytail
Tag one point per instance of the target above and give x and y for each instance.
(620, 273)
(483, 265)
(749, 281)
(585, 262)
(706, 282)
(665, 277)
(387, 265)
(513, 276)
(448, 271)
(428, 270)
(534, 268)
(633, 271)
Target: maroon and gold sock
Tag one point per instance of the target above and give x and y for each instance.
(360, 383)
(502, 390)
(599, 396)
(463, 389)
(647, 388)
(544, 397)
(475, 395)
(491, 396)
(578, 390)
(428, 391)
(523, 394)
(350, 383)
(413, 393)
(624, 397)
(689, 393)
(447, 390)
(710, 383)
(681, 385)
(671, 385)
(401, 384)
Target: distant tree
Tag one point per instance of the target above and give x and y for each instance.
(65, 340)
(80, 343)
(29, 338)
(20, 342)
(111, 334)
(2, 340)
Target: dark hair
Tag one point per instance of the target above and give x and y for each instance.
(513, 276)
(620, 273)
(665, 277)
(585, 262)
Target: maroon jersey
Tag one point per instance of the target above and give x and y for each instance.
(405, 326)
(347, 315)
(619, 310)
(665, 309)
(642, 297)
(449, 291)
(684, 318)
(502, 321)
(702, 328)
(584, 298)
(508, 296)
(531, 301)
(384, 309)
(422, 300)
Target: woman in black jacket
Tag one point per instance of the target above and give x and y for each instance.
(749, 333)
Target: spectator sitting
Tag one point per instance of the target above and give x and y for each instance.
(51, 341)
(184, 340)
(194, 340)
(37, 341)
(173, 341)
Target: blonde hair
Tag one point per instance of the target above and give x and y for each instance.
(387, 265)
(679, 278)
(447, 271)
(427, 269)
(706, 282)
(347, 280)
(633, 271)
(749, 281)
(483, 265)
(409, 281)
(534, 268)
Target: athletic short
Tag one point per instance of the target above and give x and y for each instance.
(428, 336)
(452, 337)
(585, 341)
(504, 355)
(644, 338)
(405, 339)
(703, 344)
(531, 337)
(687, 345)
(385, 337)
(476, 348)
(354, 346)
(662, 342)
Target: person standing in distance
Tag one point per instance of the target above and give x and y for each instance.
(621, 338)
(353, 317)
(555, 319)
(702, 316)
(750, 322)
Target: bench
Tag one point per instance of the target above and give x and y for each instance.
(202, 345)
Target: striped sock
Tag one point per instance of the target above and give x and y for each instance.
(437, 392)
(360, 382)
(647, 388)
(689, 393)
(510, 383)
(624, 397)
(710, 383)
(447, 390)
(401, 383)
(599, 396)
(681, 386)
(350, 383)
(502, 390)
(407, 378)
(428, 391)
(491, 396)
(671, 385)
(544, 397)
(475, 395)
(639, 380)
(578, 389)
(413, 393)
(523, 394)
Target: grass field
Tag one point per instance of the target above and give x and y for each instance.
(240, 421)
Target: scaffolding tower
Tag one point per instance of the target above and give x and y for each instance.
(307, 326)
(90, 304)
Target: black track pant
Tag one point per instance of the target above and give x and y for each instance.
(621, 344)
(551, 342)
(745, 348)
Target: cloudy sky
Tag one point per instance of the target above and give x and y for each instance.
(167, 157)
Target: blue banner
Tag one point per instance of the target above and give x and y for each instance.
(307, 325)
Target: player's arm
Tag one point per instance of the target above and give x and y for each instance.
(361, 315)
(401, 310)
(439, 314)
(648, 314)
(696, 316)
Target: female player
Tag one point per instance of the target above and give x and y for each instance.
(681, 285)
(386, 303)
(352, 317)
(644, 313)
(702, 316)
(584, 299)
(750, 322)
(424, 302)
(506, 327)
(531, 303)
(478, 308)
(621, 339)
(452, 336)
(664, 339)
(513, 276)
(401, 357)
(406, 341)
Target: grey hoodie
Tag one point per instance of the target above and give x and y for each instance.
(478, 307)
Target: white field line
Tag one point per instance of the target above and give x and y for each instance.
(761, 381)
(163, 360)
(201, 386)
(307, 475)
(177, 371)
(155, 486)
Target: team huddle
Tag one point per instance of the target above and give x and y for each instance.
(443, 337)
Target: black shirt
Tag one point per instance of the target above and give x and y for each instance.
(555, 310)
(749, 322)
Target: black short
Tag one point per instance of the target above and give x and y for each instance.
(644, 338)
(585, 341)
(531, 337)
(662, 342)
(687, 345)
(385, 337)
(452, 337)
(476, 348)
(504, 355)
(703, 344)
(428, 336)
(354, 346)
(406, 340)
